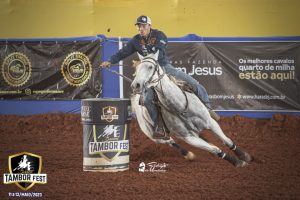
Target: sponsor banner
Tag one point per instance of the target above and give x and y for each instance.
(50, 69)
(239, 75)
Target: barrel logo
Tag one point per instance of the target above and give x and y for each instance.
(109, 141)
(109, 113)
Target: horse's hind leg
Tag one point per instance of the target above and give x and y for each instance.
(242, 155)
(200, 143)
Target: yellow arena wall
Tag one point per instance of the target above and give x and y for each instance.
(114, 18)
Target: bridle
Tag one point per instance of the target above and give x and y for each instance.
(156, 70)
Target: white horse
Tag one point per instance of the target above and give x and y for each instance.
(183, 113)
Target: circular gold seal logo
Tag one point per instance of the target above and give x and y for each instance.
(16, 69)
(76, 69)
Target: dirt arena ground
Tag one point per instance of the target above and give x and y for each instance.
(274, 174)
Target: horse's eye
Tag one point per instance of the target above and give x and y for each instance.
(150, 67)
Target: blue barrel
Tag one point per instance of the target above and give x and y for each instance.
(106, 128)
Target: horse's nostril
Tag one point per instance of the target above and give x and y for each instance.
(138, 85)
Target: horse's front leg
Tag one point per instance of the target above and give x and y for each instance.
(185, 153)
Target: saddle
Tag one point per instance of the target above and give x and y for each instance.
(183, 85)
(164, 132)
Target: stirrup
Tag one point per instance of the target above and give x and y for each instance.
(214, 115)
(160, 133)
(141, 100)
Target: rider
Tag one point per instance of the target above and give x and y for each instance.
(150, 41)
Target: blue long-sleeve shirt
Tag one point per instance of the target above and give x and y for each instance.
(156, 40)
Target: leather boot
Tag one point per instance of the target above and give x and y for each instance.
(160, 131)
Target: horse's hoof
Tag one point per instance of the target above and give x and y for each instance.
(240, 163)
(246, 157)
(242, 155)
(190, 156)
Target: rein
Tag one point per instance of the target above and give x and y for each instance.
(115, 72)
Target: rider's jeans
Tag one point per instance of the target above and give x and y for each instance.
(198, 88)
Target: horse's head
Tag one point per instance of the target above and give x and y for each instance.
(147, 73)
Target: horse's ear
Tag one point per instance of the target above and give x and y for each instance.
(156, 55)
(135, 63)
(140, 56)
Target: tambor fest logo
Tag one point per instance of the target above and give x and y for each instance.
(76, 69)
(109, 141)
(109, 113)
(25, 170)
(16, 69)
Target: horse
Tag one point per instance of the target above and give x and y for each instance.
(185, 116)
